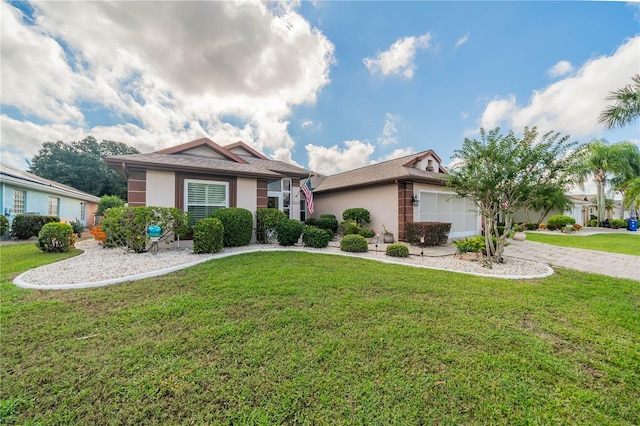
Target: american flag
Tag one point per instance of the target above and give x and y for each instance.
(308, 194)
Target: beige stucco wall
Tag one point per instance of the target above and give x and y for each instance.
(161, 189)
(247, 190)
(381, 201)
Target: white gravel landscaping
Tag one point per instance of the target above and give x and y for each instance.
(99, 266)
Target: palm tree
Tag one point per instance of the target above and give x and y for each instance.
(603, 160)
(632, 196)
(626, 106)
(550, 198)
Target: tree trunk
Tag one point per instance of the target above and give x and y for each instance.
(599, 178)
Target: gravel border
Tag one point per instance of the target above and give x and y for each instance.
(87, 270)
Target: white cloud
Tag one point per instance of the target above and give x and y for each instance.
(398, 60)
(571, 105)
(331, 160)
(388, 135)
(560, 69)
(306, 123)
(244, 60)
(284, 154)
(397, 153)
(462, 40)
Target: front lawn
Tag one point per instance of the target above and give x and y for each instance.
(293, 338)
(614, 243)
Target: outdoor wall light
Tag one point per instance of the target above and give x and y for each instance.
(415, 201)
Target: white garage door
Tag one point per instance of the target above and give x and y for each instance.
(444, 207)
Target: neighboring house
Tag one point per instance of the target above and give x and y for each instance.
(396, 192)
(202, 176)
(26, 193)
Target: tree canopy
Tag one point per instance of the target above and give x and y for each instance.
(625, 107)
(80, 164)
(502, 173)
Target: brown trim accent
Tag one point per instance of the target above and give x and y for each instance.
(246, 148)
(261, 193)
(405, 207)
(422, 157)
(137, 188)
(203, 142)
(231, 180)
(417, 179)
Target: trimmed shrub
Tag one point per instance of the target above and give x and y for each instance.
(560, 221)
(434, 233)
(289, 231)
(397, 250)
(618, 223)
(367, 232)
(358, 215)
(552, 227)
(328, 221)
(316, 237)
(108, 201)
(531, 226)
(349, 227)
(127, 226)
(238, 225)
(593, 223)
(329, 233)
(354, 243)
(208, 235)
(25, 226)
(266, 222)
(4, 225)
(55, 237)
(311, 221)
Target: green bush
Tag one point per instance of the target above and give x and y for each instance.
(4, 225)
(316, 237)
(348, 227)
(617, 223)
(367, 232)
(78, 227)
(354, 243)
(127, 226)
(358, 215)
(552, 227)
(238, 225)
(593, 223)
(266, 222)
(289, 231)
(328, 221)
(55, 237)
(397, 250)
(434, 233)
(531, 226)
(108, 201)
(26, 226)
(311, 221)
(560, 221)
(469, 244)
(208, 235)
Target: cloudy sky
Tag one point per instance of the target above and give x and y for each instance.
(330, 85)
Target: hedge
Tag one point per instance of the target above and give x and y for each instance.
(266, 221)
(4, 225)
(55, 237)
(354, 243)
(25, 226)
(238, 225)
(327, 221)
(560, 221)
(316, 237)
(397, 250)
(208, 235)
(289, 231)
(434, 233)
(359, 215)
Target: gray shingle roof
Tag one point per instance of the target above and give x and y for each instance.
(378, 173)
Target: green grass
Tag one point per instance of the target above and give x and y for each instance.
(614, 243)
(293, 338)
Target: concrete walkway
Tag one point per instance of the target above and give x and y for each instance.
(597, 262)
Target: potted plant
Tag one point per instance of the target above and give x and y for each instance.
(518, 234)
(387, 237)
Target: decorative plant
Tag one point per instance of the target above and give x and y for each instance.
(4, 225)
(397, 250)
(289, 231)
(367, 232)
(78, 227)
(469, 245)
(359, 215)
(238, 225)
(266, 221)
(327, 221)
(354, 243)
(24, 227)
(55, 237)
(577, 226)
(348, 227)
(560, 221)
(98, 234)
(316, 237)
(208, 234)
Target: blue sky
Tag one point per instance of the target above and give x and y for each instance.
(330, 85)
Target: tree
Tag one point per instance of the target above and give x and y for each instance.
(632, 196)
(80, 164)
(503, 173)
(603, 160)
(550, 198)
(626, 106)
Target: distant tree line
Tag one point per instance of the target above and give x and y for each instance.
(80, 164)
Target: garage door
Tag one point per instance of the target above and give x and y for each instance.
(444, 207)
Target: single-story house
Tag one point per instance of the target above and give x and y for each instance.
(201, 176)
(26, 193)
(396, 192)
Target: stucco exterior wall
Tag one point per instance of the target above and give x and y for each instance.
(381, 201)
(161, 189)
(246, 199)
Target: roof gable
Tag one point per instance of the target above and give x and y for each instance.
(241, 148)
(203, 147)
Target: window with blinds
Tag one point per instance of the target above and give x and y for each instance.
(54, 204)
(204, 197)
(18, 201)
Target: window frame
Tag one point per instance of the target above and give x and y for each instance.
(187, 181)
(19, 200)
(50, 204)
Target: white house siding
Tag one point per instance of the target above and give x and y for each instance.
(381, 201)
(161, 189)
(439, 205)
